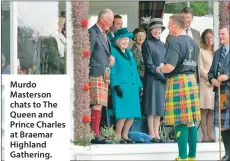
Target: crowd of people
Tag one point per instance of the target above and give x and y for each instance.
(49, 52)
(178, 81)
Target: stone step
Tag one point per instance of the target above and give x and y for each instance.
(163, 151)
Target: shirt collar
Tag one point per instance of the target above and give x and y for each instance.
(102, 31)
(112, 33)
(227, 48)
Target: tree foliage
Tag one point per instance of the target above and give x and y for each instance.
(199, 8)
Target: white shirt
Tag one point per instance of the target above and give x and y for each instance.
(112, 34)
(189, 33)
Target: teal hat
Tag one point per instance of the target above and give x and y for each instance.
(123, 32)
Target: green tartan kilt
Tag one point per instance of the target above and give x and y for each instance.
(182, 100)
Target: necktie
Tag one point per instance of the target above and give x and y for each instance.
(223, 52)
(105, 36)
(186, 30)
(222, 59)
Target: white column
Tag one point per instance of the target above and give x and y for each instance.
(69, 60)
(216, 24)
(2, 102)
(13, 38)
(216, 40)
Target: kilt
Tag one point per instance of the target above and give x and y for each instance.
(225, 114)
(181, 100)
(98, 91)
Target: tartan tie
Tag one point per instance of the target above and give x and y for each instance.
(222, 59)
(223, 52)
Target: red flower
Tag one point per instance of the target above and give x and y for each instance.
(86, 119)
(228, 5)
(86, 87)
(84, 23)
(86, 53)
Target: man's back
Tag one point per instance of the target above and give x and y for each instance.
(188, 54)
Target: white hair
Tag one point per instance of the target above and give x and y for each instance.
(105, 12)
(116, 42)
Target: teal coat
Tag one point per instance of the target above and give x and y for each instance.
(124, 73)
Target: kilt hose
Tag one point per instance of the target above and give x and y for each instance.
(225, 113)
(98, 91)
(181, 100)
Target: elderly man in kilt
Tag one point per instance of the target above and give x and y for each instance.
(100, 61)
(182, 95)
(219, 77)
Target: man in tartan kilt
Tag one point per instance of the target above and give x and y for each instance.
(218, 76)
(100, 61)
(181, 95)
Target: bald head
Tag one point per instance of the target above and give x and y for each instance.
(105, 19)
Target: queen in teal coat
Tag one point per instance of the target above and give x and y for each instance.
(125, 84)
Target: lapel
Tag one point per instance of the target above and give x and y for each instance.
(228, 59)
(107, 44)
(123, 54)
(194, 35)
(110, 35)
(217, 59)
(136, 48)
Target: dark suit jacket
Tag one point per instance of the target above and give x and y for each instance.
(111, 38)
(100, 52)
(213, 72)
(195, 34)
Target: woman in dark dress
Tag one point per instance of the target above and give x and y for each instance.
(154, 83)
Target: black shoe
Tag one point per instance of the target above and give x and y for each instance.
(155, 140)
(129, 141)
(100, 140)
(123, 141)
(160, 141)
(108, 141)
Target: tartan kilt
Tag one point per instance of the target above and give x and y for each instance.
(225, 113)
(98, 91)
(182, 100)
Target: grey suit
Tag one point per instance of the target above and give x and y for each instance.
(196, 36)
(100, 50)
